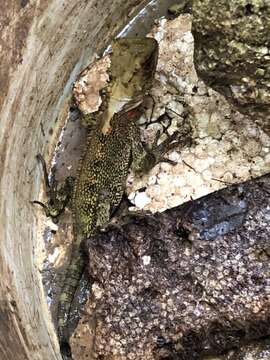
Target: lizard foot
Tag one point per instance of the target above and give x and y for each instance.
(59, 196)
(157, 152)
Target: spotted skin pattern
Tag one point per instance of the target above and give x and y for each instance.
(102, 173)
(98, 190)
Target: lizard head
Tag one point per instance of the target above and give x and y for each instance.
(132, 70)
(133, 65)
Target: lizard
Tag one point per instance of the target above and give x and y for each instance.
(109, 154)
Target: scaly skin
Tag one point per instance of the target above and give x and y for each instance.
(98, 190)
(112, 146)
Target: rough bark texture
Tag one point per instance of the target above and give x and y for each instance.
(189, 281)
(259, 350)
(232, 52)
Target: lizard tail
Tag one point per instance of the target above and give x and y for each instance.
(71, 282)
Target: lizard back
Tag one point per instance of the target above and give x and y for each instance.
(102, 174)
(109, 152)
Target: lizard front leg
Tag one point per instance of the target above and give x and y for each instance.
(145, 157)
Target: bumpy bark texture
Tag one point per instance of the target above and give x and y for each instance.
(259, 350)
(232, 52)
(189, 281)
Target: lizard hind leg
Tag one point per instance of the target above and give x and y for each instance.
(58, 196)
(145, 160)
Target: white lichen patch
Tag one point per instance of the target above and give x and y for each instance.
(140, 199)
(91, 81)
(227, 147)
(146, 260)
